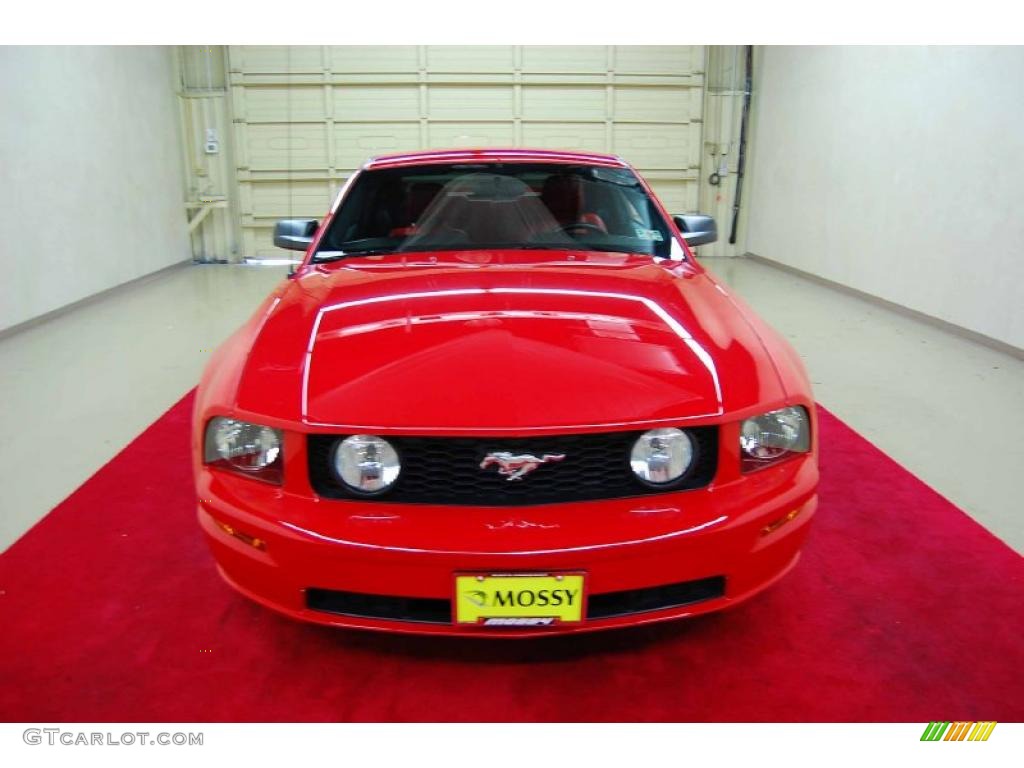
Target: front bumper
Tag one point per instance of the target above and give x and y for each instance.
(279, 547)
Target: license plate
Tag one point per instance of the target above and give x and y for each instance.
(519, 599)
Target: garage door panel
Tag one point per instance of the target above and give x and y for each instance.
(449, 102)
(565, 59)
(258, 242)
(470, 58)
(658, 59)
(305, 117)
(588, 137)
(678, 196)
(660, 104)
(564, 103)
(367, 103)
(273, 59)
(281, 104)
(374, 58)
(445, 135)
(277, 199)
(284, 146)
(356, 142)
(654, 146)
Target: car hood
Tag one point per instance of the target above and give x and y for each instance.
(503, 341)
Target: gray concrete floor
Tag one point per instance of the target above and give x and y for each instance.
(946, 408)
(77, 388)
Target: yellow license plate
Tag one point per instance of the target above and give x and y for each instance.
(519, 599)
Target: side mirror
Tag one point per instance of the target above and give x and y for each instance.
(295, 234)
(697, 228)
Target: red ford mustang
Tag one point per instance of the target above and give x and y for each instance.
(500, 397)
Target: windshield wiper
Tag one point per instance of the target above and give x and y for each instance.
(581, 247)
(538, 247)
(317, 258)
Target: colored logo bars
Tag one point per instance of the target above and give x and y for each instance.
(959, 731)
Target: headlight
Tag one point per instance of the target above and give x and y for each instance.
(366, 464)
(248, 448)
(661, 456)
(774, 435)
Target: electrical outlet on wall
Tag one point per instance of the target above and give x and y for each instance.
(212, 145)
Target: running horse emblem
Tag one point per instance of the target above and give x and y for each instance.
(514, 466)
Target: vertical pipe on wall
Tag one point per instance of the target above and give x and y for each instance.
(722, 118)
(741, 162)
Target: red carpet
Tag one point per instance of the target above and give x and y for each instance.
(902, 609)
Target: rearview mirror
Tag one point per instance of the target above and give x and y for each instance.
(295, 234)
(697, 228)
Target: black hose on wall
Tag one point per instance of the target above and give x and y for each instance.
(742, 160)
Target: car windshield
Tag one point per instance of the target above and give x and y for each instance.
(496, 205)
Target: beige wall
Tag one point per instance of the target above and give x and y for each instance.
(90, 173)
(898, 172)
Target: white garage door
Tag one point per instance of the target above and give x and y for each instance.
(306, 117)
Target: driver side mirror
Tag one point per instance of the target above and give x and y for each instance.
(697, 229)
(295, 234)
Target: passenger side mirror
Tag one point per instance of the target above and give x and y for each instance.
(295, 234)
(697, 228)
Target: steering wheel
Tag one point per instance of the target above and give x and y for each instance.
(582, 225)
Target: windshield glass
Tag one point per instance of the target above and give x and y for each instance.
(496, 205)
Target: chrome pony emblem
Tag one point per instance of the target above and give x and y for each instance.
(513, 466)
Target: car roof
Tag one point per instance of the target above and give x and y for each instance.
(520, 154)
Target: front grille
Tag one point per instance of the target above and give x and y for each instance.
(439, 611)
(654, 598)
(446, 470)
(418, 609)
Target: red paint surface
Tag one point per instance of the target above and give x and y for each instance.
(902, 608)
(597, 353)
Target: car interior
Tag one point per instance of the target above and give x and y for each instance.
(498, 206)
